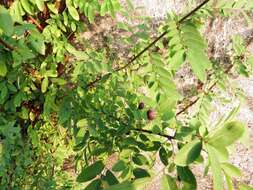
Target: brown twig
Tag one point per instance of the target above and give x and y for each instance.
(135, 57)
(152, 133)
(196, 99)
(6, 45)
(36, 23)
(188, 106)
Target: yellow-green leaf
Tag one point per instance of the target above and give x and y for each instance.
(177, 60)
(44, 85)
(231, 170)
(3, 68)
(189, 153)
(168, 183)
(216, 168)
(27, 6)
(40, 4)
(226, 135)
(6, 22)
(82, 123)
(73, 12)
(222, 153)
(103, 8)
(245, 187)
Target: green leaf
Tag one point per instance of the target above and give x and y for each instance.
(3, 92)
(140, 173)
(27, 6)
(216, 168)
(188, 178)
(18, 99)
(138, 184)
(3, 68)
(6, 22)
(195, 46)
(37, 42)
(245, 139)
(52, 7)
(21, 54)
(141, 183)
(122, 186)
(111, 8)
(103, 8)
(229, 182)
(44, 85)
(226, 135)
(40, 4)
(64, 111)
(139, 159)
(110, 178)
(163, 156)
(91, 14)
(222, 153)
(189, 153)
(16, 11)
(196, 65)
(168, 183)
(231, 170)
(94, 185)
(177, 60)
(119, 166)
(82, 123)
(73, 12)
(90, 172)
(245, 187)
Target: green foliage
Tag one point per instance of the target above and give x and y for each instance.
(168, 183)
(90, 172)
(216, 168)
(189, 153)
(6, 22)
(226, 135)
(69, 106)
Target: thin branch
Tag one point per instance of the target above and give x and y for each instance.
(188, 106)
(92, 84)
(161, 36)
(36, 23)
(142, 52)
(6, 45)
(152, 133)
(209, 89)
(193, 11)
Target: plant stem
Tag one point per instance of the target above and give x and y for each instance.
(209, 89)
(152, 133)
(35, 22)
(92, 84)
(6, 45)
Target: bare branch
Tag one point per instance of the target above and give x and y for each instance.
(6, 45)
(152, 133)
(209, 89)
